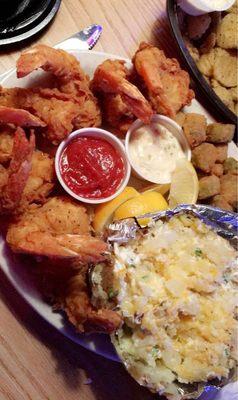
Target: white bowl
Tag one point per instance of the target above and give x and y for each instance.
(97, 133)
(173, 127)
(199, 7)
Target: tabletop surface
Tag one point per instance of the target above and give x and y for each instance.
(36, 361)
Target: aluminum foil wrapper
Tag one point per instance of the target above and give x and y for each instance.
(225, 223)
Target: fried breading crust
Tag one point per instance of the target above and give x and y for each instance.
(166, 83)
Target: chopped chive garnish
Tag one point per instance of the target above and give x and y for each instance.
(154, 351)
(198, 252)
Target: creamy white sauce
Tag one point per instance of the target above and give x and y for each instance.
(199, 7)
(154, 152)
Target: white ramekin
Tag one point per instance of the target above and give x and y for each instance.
(172, 126)
(199, 7)
(101, 134)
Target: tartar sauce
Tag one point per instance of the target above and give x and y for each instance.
(199, 7)
(154, 151)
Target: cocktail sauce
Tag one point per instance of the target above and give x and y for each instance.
(91, 167)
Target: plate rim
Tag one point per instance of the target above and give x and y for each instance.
(69, 333)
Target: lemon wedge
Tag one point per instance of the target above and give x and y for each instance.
(184, 184)
(144, 203)
(104, 212)
(162, 189)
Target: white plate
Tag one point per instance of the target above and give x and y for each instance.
(14, 268)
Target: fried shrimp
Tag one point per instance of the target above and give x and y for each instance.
(80, 107)
(58, 229)
(111, 77)
(75, 301)
(166, 83)
(30, 175)
(18, 171)
(116, 112)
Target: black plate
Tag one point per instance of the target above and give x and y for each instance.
(215, 104)
(21, 19)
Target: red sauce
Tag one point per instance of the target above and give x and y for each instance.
(91, 167)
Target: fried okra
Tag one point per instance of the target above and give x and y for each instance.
(229, 189)
(220, 133)
(227, 32)
(222, 150)
(217, 170)
(204, 157)
(220, 202)
(208, 186)
(180, 118)
(194, 127)
(231, 165)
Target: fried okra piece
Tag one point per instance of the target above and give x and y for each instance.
(220, 133)
(208, 186)
(220, 202)
(227, 32)
(204, 157)
(229, 189)
(217, 170)
(180, 118)
(222, 150)
(194, 127)
(231, 166)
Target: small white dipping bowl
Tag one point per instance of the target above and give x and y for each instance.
(168, 123)
(99, 134)
(199, 7)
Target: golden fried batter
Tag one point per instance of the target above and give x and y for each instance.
(220, 133)
(208, 186)
(194, 126)
(229, 189)
(76, 303)
(41, 178)
(69, 105)
(167, 84)
(111, 77)
(204, 157)
(58, 229)
(18, 172)
(6, 143)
